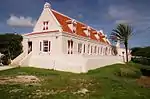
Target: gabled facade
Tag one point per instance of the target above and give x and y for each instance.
(62, 43)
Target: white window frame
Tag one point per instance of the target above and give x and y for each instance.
(42, 46)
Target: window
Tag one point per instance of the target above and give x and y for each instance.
(45, 25)
(101, 50)
(79, 47)
(98, 51)
(91, 49)
(46, 46)
(70, 47)
(106, 51)
(88, 48)
(84, 49)
(95, 49)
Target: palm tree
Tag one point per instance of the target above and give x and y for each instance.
(122, 33)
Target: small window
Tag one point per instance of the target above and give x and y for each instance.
(101, 50)
(106, 51)
(88, 48)
(46, 46)
(79, 47)
(70, 47)
(95, 49)
(45, 25)
(84, 49)
(91, 49)
(98, 51)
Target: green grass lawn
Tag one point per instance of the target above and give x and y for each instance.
(111, 82)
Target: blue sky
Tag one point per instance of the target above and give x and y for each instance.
(20, 15)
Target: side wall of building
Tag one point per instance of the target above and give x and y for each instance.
(58, 57)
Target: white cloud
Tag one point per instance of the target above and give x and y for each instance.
(122, 14)
(122, 21)
(20, 21)
(126, 14)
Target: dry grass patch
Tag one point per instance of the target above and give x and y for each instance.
(19, 79)
(144, 81)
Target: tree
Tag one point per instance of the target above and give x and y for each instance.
(10, 45)
(122, 33)
(141, 51)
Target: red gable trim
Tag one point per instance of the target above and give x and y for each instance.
(33, 33)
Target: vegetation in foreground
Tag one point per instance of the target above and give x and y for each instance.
(111, 82)
(10, 46)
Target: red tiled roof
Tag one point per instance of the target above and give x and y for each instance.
(62, 19)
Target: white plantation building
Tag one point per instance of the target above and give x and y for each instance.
(61, 43)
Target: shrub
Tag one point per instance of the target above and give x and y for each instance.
(141, 60)
(128, 72)
(145, 72)
(10, 45)
(6, 60)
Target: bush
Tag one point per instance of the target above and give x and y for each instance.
(128, 72)
(145, 72)
(141, 60)
(6, 60)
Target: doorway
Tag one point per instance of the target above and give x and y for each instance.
(29, 46)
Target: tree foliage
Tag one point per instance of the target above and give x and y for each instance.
(10, 45)
(141, 51)
(122, 33)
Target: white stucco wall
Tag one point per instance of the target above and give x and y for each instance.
(47, 15)
(58, 59)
